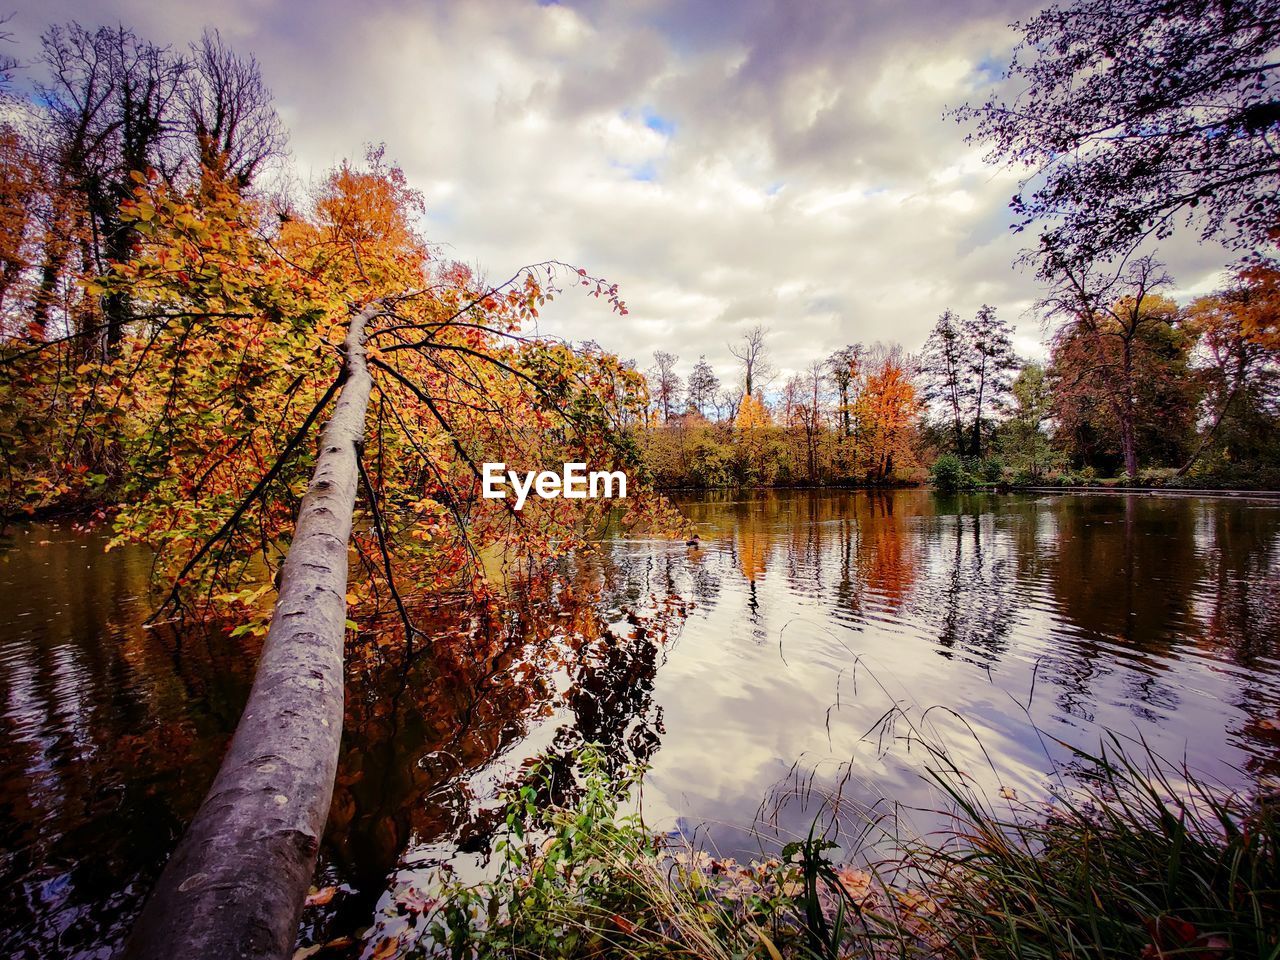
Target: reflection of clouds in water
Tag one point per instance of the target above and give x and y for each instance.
(813, 616)
(1090, 609)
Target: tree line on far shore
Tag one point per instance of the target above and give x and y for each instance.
(1134, 386)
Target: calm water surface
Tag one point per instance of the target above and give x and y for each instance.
(777, 666)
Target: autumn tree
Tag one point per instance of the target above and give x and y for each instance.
(665, 383)
(1239, 354)
(887, 408)
(1120, 363)
(702, 387)
(1131, 116)
(751, 434)
(753, 355)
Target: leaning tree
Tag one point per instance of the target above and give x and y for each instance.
(325, 367)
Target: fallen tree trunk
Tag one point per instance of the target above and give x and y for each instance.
(235, 885)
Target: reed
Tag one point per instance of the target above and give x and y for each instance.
(1143, 860)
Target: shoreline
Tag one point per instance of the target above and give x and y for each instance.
(995, 489)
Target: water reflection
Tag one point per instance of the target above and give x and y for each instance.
(111, 735)
(759, 674)
(429, 743)
(1071, 616)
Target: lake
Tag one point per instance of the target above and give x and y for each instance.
(785, 668)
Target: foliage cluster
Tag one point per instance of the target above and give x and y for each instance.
(864, 431)
(176, 376)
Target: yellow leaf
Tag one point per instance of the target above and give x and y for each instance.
(768, 945)
(321, 897)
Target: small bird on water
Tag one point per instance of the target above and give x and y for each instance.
(693, 541)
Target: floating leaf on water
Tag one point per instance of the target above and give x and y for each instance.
(320, 897)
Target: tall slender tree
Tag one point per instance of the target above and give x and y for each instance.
(990, 363)
(665, 383)
(702, 386)
(753, 355)
(944, 367)
(843, 368)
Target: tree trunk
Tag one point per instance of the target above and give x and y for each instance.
(50, 274)
(977, 414)
(1128, 431)
(235, 885)
(1128, 446)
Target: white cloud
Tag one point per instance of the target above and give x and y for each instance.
(725, 163)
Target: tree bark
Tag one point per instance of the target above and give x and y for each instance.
(977, 413)
(50, 274)
(235, 885)
(1128, 446)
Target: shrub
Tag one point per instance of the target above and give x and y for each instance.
(948, 474)
(1143, 861)
(991, 469)
(585, 880)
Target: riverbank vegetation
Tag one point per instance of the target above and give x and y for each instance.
(198, 361)
(197, 354)
(1138, 388)
(1145, 860)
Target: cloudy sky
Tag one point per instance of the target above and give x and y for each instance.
(727, 163)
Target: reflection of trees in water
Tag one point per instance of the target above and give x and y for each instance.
(414, 742)
(806, 538)
(1140, 580)
(1124, 578)
(110, 736)
(1243, 619)
(1127, 568)
(969, 596)
(751, 544)
(704, 578)
(852, 547)
(867, 537)
(888, 555)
